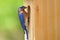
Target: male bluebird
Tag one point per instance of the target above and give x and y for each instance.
(22, 16)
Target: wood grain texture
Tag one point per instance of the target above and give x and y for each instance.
(45, 20)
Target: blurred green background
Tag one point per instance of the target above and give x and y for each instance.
(10, 28)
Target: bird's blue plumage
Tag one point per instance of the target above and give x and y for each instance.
(21, 18)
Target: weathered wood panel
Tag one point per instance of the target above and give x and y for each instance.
(45, 20)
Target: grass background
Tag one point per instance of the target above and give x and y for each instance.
(10, 28)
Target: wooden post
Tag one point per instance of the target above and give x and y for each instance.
(44, 20)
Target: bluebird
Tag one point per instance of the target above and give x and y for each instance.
(22, 17)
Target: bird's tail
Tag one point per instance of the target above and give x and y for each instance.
(27, 33)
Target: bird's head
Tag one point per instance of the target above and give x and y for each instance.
(22, 8)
